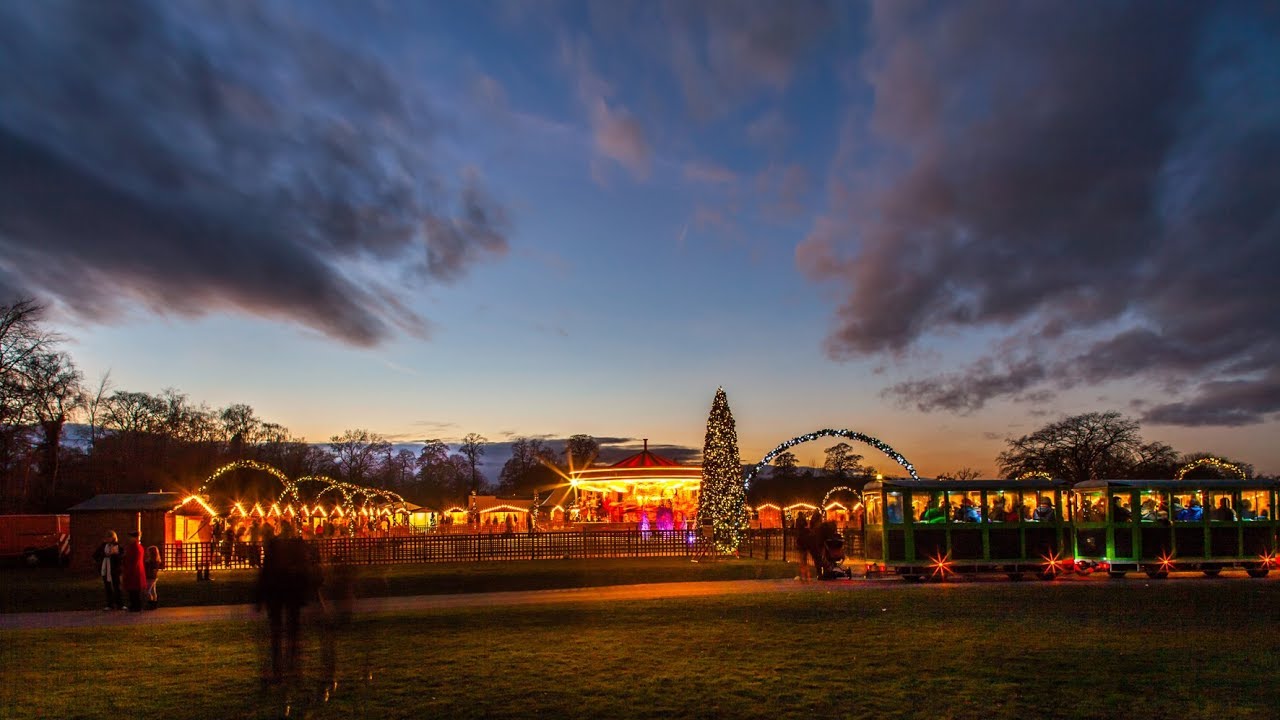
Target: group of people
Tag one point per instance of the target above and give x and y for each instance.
(1154, 511)
(812, 534)
(127, 568)
(245, 538)
(967, 511)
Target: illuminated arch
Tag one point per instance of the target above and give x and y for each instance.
(848, 434)
(241, 464)
(836, 489)
(1213, 462)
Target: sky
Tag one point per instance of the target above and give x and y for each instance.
(939, 224)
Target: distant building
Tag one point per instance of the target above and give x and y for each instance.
(160, 518)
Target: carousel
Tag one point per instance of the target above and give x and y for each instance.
(646, 491)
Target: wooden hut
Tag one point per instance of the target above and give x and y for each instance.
(160, 518)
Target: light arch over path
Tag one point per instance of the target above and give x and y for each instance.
(244, 465)
(828, 432)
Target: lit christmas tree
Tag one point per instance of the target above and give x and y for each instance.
(722, 495)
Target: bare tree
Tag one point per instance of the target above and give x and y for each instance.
(53, 383)
(1077, 448)
(527, 468)
(842, 462)
(473, 449)
(95, 406)
(357, 454)
(580, 451)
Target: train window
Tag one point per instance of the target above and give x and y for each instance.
(1222, 506)
(1041, 505)
(1023, 505)
(966, 505)
(873, 508)
(893, 508)
(1255, 505)
(1121, 507)
(930, 508)
(1002, 506)
(1188, 506)
(1091, 506)
(1153, 506)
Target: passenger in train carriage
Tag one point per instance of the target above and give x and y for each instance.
(893, 511)
(934, 513)
(999, 511)
(1119, 513)
(1224, 513)
(967, 512)
(1044, 511)
(1148, 511)
(1246, 510)
(1193, 512)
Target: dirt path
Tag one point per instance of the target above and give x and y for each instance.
(365, 606)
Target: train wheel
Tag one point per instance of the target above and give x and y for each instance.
(1257, 572)
(1116, 574)
(913, 578)
(1157, 574)
(1213, 573)
(1050, 575)
(1015, 576)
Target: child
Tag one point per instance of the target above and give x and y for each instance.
(154, 563)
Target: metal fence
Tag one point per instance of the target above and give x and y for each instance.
(771, 544)
(780, 544)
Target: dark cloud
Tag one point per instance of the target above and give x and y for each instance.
(194, 157)
(1097, 182)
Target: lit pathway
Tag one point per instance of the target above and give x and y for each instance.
(365, 606)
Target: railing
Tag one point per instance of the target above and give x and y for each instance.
(780, 544)
(770, 544)
(453, 547)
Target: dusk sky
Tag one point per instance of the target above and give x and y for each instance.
(941, 224)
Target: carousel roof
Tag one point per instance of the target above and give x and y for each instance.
(644, 466)
(645, 459)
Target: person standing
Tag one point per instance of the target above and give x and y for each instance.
(134, 571)
(108, 558)
(153, 564)
(802, 546)
(288, 579)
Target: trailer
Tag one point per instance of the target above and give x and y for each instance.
(35, 539)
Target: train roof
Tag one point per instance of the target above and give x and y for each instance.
(1188, 484)
(1036, 483)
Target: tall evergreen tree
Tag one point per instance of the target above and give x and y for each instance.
(722, 495)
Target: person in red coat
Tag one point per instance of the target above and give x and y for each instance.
(134, 573)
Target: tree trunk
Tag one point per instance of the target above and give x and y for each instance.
(49, 463)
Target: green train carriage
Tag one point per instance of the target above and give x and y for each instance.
(1158, 526)
(934, 528)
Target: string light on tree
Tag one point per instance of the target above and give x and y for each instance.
(1034, 474)
(722, 494)
(1216, 463)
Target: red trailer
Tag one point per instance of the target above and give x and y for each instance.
(35, 539)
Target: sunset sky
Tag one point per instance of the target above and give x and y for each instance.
(941, 224)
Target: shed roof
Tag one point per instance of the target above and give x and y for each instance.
(129, 501)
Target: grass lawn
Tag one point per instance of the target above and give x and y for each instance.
(44, 589)
(1183, 648)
